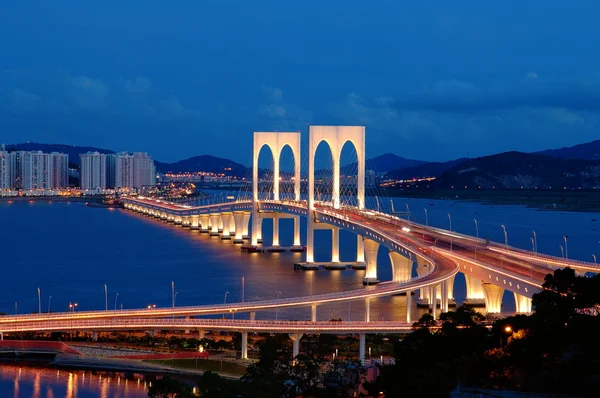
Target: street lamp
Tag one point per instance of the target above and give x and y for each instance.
(224, 302)
(534, 242)
(566, 246)
(175, 301)
(49, 301)
(173, 293)
(450, 221)
(426, 218)
(507, 330)
(39, 301)
(105, 297)
(562, 251)
(477, 236)
(277, 308)
(505, 235)
(594, 256)
(72, 306)
(407, 212)
(116, 297)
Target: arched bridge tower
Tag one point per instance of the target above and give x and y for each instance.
(276, 141)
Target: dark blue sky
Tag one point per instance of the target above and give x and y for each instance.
(432, 80)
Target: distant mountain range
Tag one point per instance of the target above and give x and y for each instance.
(521, 170)
(588, 151)
(383, 164)
(206, 163)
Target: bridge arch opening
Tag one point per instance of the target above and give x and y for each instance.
(287, 173)
(348, 174)
(266, 163)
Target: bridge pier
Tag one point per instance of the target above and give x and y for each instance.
(195, 223)
(368, 309)
(423, 267)
(186, 221)
(220, 223)
(371, 248)
(360, 249)
(238, 218)
(214, 224)
(94, 336)
(313, 313)
(244, 354)
(275, 229)
(444, 296)
(335, 245)
(295, 344)
(310, 237)
(253, 316)
(204, 223)
(178, 220)
(226, 220)
(246, 221)
(492, 295)
(475, 296)
(297, 231)
(408, 306)
(200, 334)
(401, 267)
(433, 301)
(361, 347)
(1, 336)
(522, 304)
(256, 228)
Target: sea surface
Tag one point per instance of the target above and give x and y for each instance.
(71, 251)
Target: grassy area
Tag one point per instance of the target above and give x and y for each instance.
(204, 365)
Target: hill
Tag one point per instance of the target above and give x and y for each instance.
(72, 150)
(427, 169)
(383, 164)
(588, 151)
(205, 163)
(517, 169)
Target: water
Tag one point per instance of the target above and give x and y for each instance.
(35, 382)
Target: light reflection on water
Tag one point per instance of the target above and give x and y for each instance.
(40, 382)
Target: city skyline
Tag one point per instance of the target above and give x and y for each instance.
(418, 76)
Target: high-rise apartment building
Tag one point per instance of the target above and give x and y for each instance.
(60, 170)
(36, 170)
(93, 171)
(144, 173)
(124, 170)
(6, 170)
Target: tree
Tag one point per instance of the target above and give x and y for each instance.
(211, 385)
(167, 387)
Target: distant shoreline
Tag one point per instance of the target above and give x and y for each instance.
(545, 200)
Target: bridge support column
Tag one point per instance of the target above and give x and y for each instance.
(186, 221)
(244, 345)
(401, 267)
(94, 336)
(313, 313)
(444, 297)
(522, 304)
(408, 306)
(186, 331)
(295, 344)
(195, 223)
(310, 237)
(253, 316)
(368, 309)
(474, 291)
(226, 220)
(433, 301)
(423, 267)
(256, 228)
(335, 245)
(200, 334)
(275, 229)
(1, 336)
(178, 220)
(214, 224)
(296, 230)
(361, 347)
(238, 218)
(360, 249)
(220, 223)
(371, 248)
(204, 223)
(232, 226)
(492, 295)
(246, 221)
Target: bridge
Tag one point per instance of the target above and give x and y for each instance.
(436, 254)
